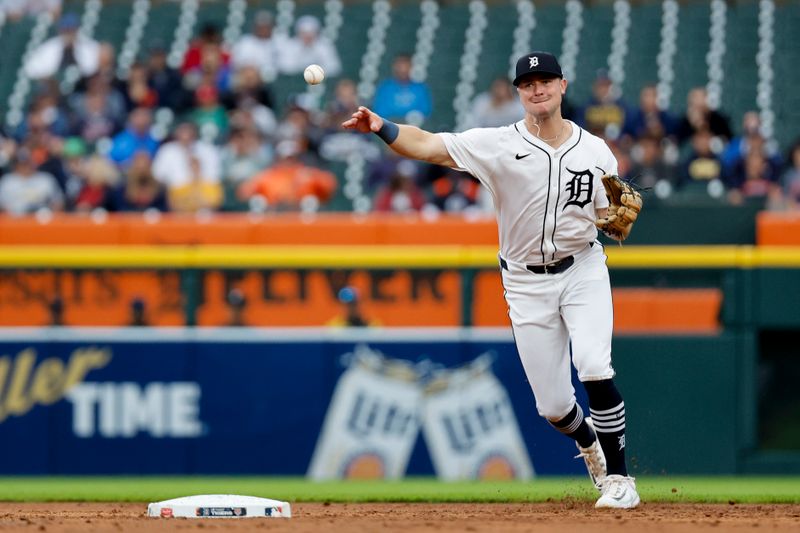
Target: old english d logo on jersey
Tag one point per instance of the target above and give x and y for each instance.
(579, 188)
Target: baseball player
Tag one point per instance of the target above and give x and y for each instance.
(552, 187)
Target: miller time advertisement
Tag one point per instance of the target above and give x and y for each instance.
(97, 408)
(382, 405)
(269, 402)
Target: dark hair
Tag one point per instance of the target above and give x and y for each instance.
(210, 32)
(792, 149)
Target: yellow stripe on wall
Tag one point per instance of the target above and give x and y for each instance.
(234, 257)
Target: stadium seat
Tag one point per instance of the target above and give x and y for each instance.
(13, 40)
(444, 64)
(114, 20)
(547, 34)
(401, 36)
(161, 24)
(353, 37)
(215, 12)
(643, 45)
(690, 65)
(595, 45)
(739, 63)
(495, 56)
(785, 97)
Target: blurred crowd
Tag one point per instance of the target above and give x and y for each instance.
(209, 135)
(699, 153)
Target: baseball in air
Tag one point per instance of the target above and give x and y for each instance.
(314, 74)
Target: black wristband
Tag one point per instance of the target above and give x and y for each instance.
(388, 132)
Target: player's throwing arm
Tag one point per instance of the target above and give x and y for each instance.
(408, 141)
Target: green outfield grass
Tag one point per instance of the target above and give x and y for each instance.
(149, 489)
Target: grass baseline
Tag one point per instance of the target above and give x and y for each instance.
(665, 489)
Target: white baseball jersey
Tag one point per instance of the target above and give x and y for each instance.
(545, 198)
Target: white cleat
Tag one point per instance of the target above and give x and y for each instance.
(594, 458)
(619, 492)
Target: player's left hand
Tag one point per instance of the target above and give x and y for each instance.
(625, 203)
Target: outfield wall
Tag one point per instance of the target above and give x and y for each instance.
(392, 402)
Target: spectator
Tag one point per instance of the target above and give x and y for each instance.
(343, 104)
(190, 171)
(136, 137)
(45, 116)
(16, 9)
(237, 303)
(453, 191)
(648, 119)
(754, 177)
(199, 194)
(244, 156)
(757, 143)
(261, 49)
(213, 69)
(699, 116)
(67, 48)
(55, 307)
(499, 106)
(389, 164)
(702, 166)
(400, 194)
(648, 164)
(138, 318)
(140, 191)
(606, 113)
(99, 113)
(69, 168)
(25, 190)
(352, 316)
(106, 70)
(208, 41)
(791, 177)
(736, 150)
(165, 80)
(209, 116)
(247, 89)
(8, 148)
(290, 181)
(298, 126)
(401, 98)
(307, 47)
(101, 178)
(750, 139)
(622, 154)
(44, 146)
(137, 90)
(250, 95)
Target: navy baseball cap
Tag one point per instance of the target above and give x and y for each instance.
(535, 63)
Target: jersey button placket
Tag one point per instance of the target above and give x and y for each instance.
(551, 216)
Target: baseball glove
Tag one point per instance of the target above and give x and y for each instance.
(625, 202)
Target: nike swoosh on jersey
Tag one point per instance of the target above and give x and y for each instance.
(518, 157)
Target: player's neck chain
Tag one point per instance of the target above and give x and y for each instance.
(539, 131)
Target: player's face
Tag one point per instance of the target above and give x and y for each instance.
(541, 95)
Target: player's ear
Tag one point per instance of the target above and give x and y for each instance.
(563, 86)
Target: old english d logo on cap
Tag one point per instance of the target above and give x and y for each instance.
(537, 62)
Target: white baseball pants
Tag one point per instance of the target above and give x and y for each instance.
(551, 311)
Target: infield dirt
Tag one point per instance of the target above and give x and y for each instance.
(58, 517)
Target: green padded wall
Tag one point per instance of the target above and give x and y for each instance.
(681, 397)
